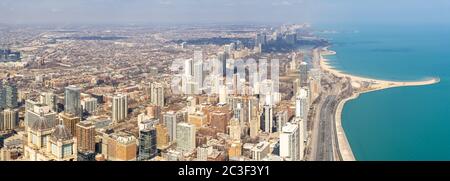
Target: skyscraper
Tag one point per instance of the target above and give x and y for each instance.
(120, 146)
(8, 95)
(2, 96)
(89, 105)
(290, 142)
(62, 145)
(170, 121)
(70, 121)
(303, 74)
(185, 137)
(49, 99)
(157, 94)
(119, 108)
(72, 100)
(302, 109)
(147, 142)
(235, 129)
(162, 136)
(222, 57)
(219, 121)
(9, 119)
(85, 133)
(35, 111)
(267, 119)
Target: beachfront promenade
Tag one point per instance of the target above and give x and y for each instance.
(341, 149)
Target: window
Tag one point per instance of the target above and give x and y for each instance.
(67, 150)
(54, 149)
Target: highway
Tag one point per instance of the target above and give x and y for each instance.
(326, 137)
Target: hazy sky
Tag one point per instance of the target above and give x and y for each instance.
(218, 11)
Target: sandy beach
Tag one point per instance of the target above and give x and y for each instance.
(357, 81)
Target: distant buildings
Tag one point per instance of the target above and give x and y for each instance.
(7, 55)
(303, 74)
(119, 108)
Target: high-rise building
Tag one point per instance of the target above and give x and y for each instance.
(62, 145)
(10, 95)
(260, 150)
(303, 74)
(189, 67)
(235, 149)
(235, 129)
(303, 136)
(72, 100)
(254, 128)
(147, 142)
(185, 137)
(89, 105)
(119, 147)
(157, 94)
(202, 153)
(290, 142)
(9, 119)
(267, 119)
(119, 108)
(2, 96)
(281, 118)
(302, 109)
(35, 111)
(162, 136)
(49, 99)
(198, 119)
(153, 111)
(222, 57)
(219, 121)
(170, 121)
(261, 39)
(198, 76)
(85, 133)
(37, 139)
(70, 121)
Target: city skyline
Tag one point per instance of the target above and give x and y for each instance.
(159, 12)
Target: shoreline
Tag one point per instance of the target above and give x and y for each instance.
(356, 81)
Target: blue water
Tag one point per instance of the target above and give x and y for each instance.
(407, 123)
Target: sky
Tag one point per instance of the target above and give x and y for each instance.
(223, 11)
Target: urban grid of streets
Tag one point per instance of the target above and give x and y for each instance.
(104, 62)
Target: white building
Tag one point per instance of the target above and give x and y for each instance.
(290, 142)
(119, 108)
(89, 104)
(185, 137)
